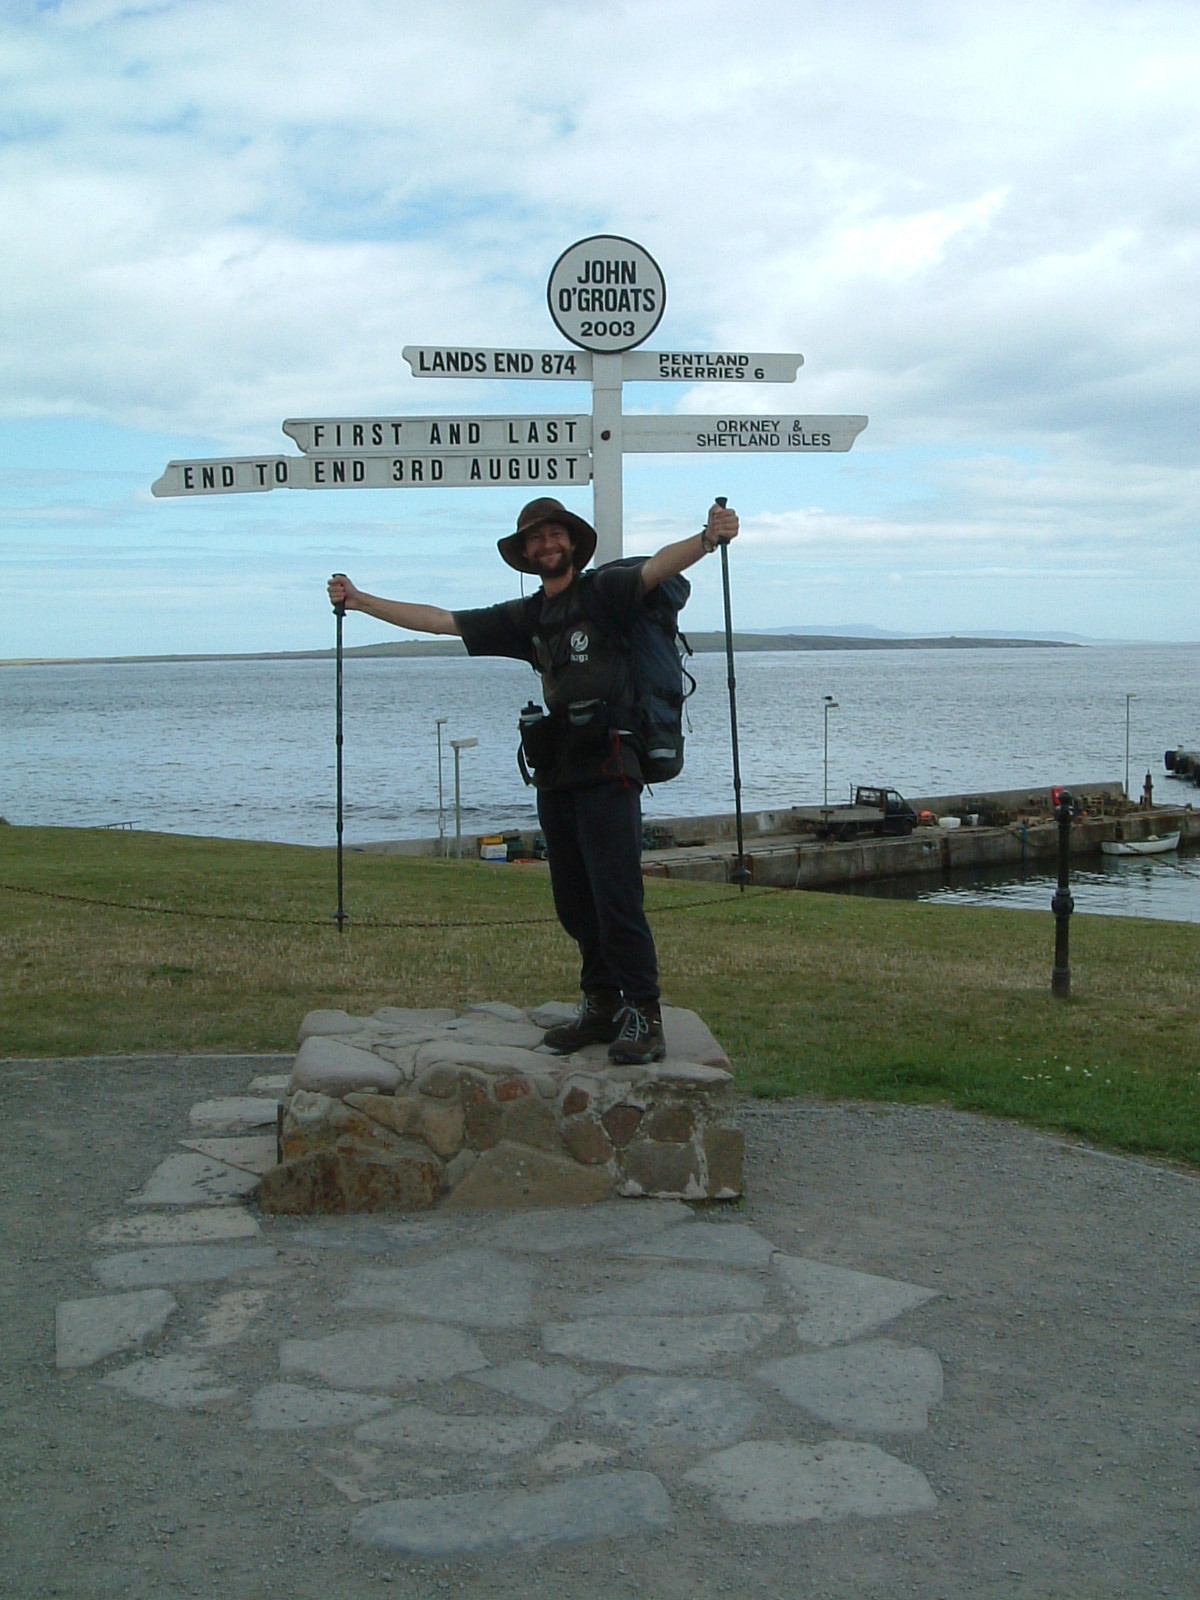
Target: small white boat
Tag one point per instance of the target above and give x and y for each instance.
(1155, 844)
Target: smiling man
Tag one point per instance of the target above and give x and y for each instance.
(576, 632)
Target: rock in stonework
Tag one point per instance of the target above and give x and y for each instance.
(724, 1152)
(482, 1117)
(400, 1113)
(438, 1122)
(531, 1122)
(304, 1186)
(575, 1100)
(672, 1123)
(478, 1027)
(663, 1169)
(315, 1122)
(459, 1166)
(318, 1024)
(330, 1066)
(349, 1178)
(511, 1177)
(621, 1122)
(497, 1008)
(441, 1126)
(501, 1060)
(441, 1081)
(587, 1141)
(689, 1039)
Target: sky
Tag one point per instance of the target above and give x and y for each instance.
(977, 222)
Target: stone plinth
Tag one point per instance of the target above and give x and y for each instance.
(410, 1109)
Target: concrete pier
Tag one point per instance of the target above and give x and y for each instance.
(999, 828)
(798, 861)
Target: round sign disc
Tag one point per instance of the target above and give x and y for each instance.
(606, 294)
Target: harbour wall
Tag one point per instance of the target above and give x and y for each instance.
(801, 862)
(1015, 826)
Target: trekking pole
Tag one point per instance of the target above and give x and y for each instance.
(339, 611)
(741, 876)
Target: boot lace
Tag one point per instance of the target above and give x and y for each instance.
(634, 1026)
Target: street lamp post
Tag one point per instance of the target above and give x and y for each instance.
(440, 723)
(458, 745)
(1128, 698)
(830, 705)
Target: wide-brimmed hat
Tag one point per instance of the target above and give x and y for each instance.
(583, 535)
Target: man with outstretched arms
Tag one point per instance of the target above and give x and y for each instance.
(584, 756)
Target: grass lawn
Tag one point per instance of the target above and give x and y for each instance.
(120, 942)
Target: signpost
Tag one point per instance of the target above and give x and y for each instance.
(606, 296)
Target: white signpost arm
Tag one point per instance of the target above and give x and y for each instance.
(676, 434)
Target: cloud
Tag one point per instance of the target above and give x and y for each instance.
(977, 224)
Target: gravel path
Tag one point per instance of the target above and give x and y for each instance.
(1046, 1395)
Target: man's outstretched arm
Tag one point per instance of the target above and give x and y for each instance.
(400, 613)
(722, 526)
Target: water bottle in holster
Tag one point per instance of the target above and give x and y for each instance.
(539, 740)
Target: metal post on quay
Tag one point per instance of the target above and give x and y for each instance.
(458, 746)
(830, 705)
(1062, 904)
(440, 723)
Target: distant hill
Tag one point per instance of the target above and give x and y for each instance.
(700, 642)
(876, 641)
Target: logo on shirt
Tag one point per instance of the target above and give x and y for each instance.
(579, 645)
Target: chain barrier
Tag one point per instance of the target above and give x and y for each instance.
(322, 922)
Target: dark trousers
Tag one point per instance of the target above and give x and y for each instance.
(594, 847)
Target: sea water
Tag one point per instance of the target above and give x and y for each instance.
(246, 748)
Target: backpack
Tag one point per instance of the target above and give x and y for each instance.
(661, 682)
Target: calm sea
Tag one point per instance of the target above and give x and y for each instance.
(246, 749)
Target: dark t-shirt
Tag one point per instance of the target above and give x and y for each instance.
(582, 653)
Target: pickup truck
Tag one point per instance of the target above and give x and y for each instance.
(874, 811)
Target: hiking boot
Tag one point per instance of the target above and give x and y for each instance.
(596, 1022)
(640, 1037)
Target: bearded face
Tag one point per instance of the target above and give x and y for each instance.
(548, 547)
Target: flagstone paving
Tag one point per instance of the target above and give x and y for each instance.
(630, 1352)
(86, 1331)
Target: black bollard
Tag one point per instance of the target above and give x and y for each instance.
(1062, 905)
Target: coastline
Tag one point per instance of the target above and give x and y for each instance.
(702, 643)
